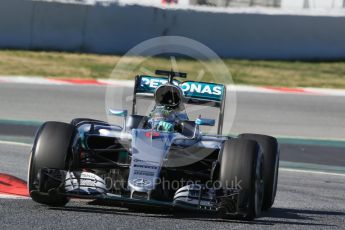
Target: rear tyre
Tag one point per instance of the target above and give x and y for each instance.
(241, 167)
(269, 146)
(51, 149)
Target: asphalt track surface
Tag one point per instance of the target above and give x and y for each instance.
(305, 200)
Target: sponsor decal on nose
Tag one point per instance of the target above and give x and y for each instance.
(152, 134)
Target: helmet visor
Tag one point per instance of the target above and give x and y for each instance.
(168, 95)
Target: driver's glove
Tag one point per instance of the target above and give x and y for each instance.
(165, 126)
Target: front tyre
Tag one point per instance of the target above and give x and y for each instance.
(241, 163)
(51, 149)
(270, 148)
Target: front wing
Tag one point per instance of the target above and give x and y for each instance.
(84, 185)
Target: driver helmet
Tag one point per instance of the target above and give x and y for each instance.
(168, 100)
(169, 96)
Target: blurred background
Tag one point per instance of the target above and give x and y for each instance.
(294, 4)
(246, 29)
(293, 43)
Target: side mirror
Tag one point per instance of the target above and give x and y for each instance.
(206, 122)
(119, 113)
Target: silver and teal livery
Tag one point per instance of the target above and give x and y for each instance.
(135, 163)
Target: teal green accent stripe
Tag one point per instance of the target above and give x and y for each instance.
(298, 141)
(20, 122)
(308, 141)
(312, 167)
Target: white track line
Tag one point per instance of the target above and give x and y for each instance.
(311, 171)
(13, 197)
(15, 143)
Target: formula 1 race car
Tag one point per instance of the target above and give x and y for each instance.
(160, 160)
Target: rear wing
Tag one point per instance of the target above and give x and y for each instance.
(198, 93)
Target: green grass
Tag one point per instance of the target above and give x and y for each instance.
(261, 72)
